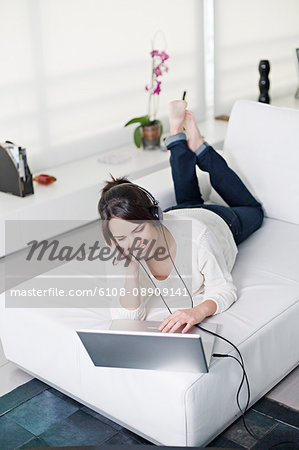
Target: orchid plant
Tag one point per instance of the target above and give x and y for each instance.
(158, 69)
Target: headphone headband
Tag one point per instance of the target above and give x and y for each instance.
(155, 209)
(150, 196)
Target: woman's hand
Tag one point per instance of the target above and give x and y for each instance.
(189, 317)
(124, 259)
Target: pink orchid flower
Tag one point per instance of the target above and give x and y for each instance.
(163, 56)
(157, 71)
(157, 89)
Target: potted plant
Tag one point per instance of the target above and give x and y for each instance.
(149, 130)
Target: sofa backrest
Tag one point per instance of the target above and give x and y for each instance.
(262, 146)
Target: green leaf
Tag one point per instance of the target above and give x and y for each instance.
(138, 136)
(143, 120)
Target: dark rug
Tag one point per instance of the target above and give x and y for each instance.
(35, 415)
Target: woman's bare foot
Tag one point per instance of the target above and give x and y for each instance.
(177, 110)
(194, 138)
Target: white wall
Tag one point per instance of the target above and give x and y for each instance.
(74, 71)
(245, 33)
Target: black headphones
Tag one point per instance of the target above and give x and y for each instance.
(155, 209)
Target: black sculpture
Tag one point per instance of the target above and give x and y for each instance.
(264, 83)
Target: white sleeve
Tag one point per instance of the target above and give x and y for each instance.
(117, 311)
(218, 283)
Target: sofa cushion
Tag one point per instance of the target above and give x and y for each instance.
(262, 146)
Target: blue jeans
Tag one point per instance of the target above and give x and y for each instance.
(244, 215)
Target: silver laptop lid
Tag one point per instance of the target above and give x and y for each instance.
(142, 346)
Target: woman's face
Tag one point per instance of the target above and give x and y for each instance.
(137, 238)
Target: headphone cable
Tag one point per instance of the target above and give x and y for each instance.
(216, 355)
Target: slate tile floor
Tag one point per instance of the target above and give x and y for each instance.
(35, 415)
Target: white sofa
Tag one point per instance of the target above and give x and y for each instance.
(182, 409)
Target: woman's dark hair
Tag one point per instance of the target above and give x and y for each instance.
(120, 198)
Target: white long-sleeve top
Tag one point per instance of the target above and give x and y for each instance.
(205, 255)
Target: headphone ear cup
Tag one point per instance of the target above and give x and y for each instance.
(160, 214)
(157, 212)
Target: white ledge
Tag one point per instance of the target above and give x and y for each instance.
(74, 196)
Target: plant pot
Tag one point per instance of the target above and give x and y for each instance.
(151, 135)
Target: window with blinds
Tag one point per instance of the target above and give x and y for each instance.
(246, 32)
(74, 72)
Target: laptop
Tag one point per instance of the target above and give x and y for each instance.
(138, 344)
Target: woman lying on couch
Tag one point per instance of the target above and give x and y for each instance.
(134, 225)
